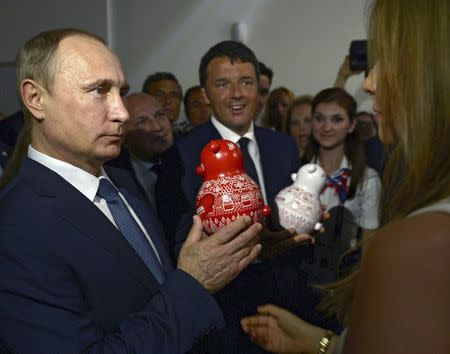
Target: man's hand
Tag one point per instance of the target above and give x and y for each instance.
(216, 260)
(276, 242)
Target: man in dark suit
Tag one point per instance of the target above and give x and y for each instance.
(148, 133)
(229, 74)
(84, 267)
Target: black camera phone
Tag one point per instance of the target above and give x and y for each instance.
(358, 55)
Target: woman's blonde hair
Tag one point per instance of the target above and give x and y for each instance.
(410, 43)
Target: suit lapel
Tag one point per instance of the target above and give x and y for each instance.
(270, 164)
(72, 206)
(213, 132)
(269, 161)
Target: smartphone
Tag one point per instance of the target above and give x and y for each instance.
(358, 55)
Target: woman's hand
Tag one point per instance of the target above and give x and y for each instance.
(280, 331)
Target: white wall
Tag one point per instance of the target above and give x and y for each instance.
(304, 41)
(21, 19)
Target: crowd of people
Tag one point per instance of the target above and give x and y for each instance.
(101, 250)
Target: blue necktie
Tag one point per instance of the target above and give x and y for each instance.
(129, 228)
(249, 165)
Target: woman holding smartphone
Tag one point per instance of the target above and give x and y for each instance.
(398, 300)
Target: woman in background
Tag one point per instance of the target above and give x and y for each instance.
(398, 301)
(298, 124)
(276, 108)
(352, 192)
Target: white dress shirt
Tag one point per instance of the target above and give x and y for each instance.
(364, 204)
(86, 184)
(253, 150)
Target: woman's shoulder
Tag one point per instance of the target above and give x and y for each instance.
(404, 284)
(421, 240)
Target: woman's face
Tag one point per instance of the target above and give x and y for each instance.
(331, 125)
(278, 104)
(300, 124)
(370, 86)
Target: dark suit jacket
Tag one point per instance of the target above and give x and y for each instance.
(178, 183)
(71, 283)
(375, 154)
(123, 161)
(9, 130)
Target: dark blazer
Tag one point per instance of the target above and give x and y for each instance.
(71, 283)
(375, 154)
(9, 130)
(178, 183)
(123, 161)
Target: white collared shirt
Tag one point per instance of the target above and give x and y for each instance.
(86, 184)
(253, 150)
(364, 204)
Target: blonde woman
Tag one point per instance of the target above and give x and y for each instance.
(401, 297)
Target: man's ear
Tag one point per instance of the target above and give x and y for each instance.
(33, 96)
(205, 96)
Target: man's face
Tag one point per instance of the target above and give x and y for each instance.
(198, 110)
(148, 133)
(232, 91)
(263, 93)
(82, 119)
(168, 94)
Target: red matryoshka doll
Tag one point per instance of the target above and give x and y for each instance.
(227, 192)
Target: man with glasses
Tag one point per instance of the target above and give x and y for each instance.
(164, 86)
